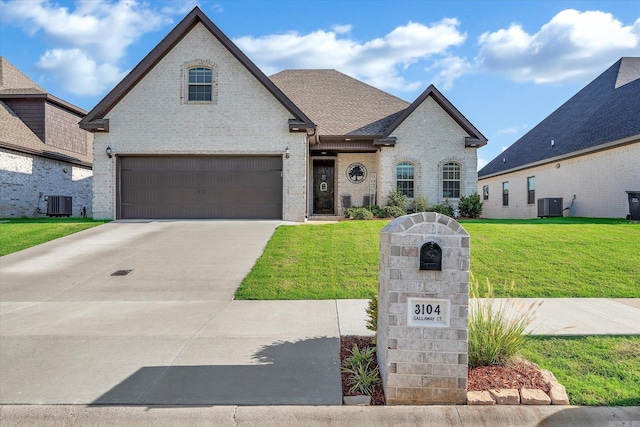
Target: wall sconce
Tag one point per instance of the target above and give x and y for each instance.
(287, 153)
(109, 152)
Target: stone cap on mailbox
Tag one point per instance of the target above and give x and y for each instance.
(425, 223)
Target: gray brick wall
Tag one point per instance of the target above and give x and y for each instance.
(429, 138)
(153, 119)
(23, 178)
(422, 364)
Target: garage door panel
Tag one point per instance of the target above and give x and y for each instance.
(200, 187)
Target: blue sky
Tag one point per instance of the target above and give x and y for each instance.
(504, 64)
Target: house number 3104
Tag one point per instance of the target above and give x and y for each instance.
(427, 309)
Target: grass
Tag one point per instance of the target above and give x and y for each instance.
(551, 257)
(595, 370)
(18, 234)
(317, 262)
(557, 259)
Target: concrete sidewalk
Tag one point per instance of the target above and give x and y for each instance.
(579, 316)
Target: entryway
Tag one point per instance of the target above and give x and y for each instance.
(323, 186)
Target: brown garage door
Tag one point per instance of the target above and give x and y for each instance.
(200, 187)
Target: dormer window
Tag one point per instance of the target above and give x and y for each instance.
(200, 84)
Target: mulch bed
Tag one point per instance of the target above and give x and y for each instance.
(518, 375)
(346, 345)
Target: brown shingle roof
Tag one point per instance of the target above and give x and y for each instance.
(339, 104)
(15, 81)
(16, 135)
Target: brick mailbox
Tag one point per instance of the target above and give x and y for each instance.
(423, 301)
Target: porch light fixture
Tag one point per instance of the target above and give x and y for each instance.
(287, 153)
(109, 152)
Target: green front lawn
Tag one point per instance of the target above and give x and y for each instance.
(552, 257)
(18, 234)
(594, 370)
(317, 262)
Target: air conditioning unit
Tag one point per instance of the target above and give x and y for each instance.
(550, 206)
(59, 205)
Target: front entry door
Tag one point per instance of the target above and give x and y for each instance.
(323, 187)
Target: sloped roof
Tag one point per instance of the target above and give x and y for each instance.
(14, 81)
(196, 16)
(604, 111)
(13, 130)
(477, 137)
(15, 135)
(339, 104)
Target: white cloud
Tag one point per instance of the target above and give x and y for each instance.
(451, 69)
(92, 38)
(77, 73)
(512, 129)
(573, 46)
(341, 29)
(376, 61)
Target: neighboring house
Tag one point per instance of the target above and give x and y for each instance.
(196, 130)
(587, 152)
(43, 152)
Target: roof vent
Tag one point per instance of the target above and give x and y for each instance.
(553, 143)
(504, 160)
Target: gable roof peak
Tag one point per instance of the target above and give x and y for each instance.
(12, 80)
(95, 120)
(475, 139)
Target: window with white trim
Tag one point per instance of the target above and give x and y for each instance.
(485, 192)
(200, 84)
(405, 178)
(451, 180)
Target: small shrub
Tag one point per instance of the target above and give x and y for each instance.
(372, 314)
(375, 210)
(396, 198)
(420, 204)
(362, 376)
(445, 208)
(496, 329)
(393, 211)
(470, 206)
(358, 213)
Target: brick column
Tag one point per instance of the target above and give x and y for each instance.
(422, 348)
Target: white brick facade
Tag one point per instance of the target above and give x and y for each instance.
(428, 138)
(26, 179)
(598, 180)
(153, 118)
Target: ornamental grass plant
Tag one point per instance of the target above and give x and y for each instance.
(496, 327)
(362, 374)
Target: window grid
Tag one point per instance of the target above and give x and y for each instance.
(451, 180)
(200, 84)
(405, 178)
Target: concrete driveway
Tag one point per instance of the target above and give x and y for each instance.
(167, 332)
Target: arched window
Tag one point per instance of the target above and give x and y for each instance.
(451, 180)
(200, 82)
(404, 178)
